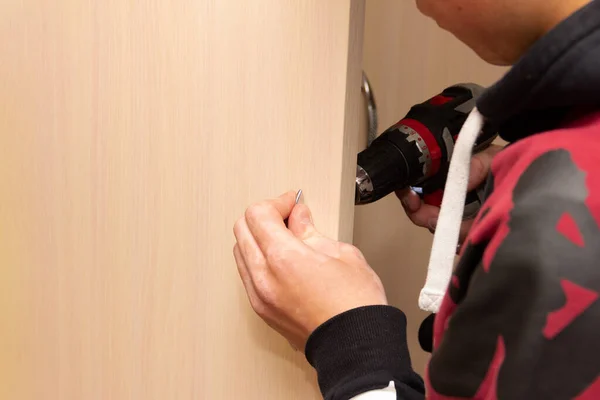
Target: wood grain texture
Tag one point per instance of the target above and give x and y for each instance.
(134, 133)
(408, 59)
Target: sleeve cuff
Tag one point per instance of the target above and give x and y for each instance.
(359, 350)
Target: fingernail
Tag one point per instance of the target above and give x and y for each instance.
(432, 223)
(306, 216)
(306, 220)
(310, 218)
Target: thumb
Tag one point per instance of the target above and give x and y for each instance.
(481, 164)
(300, 222)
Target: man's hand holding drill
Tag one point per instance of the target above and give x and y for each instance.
(425, 215)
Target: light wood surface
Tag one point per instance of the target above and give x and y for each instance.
(133, 134)
(408, 59)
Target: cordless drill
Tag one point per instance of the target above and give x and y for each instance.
(416, 151)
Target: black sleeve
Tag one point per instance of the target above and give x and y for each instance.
(362, 350)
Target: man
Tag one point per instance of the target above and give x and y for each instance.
(521, 317)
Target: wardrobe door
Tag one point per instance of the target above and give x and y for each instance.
(408, 59)
(133, 134)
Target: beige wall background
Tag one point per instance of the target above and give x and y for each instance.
(408, 59)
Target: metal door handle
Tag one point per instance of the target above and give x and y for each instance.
(371, 109)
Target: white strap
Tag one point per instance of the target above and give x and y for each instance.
(389, 393)
(441, 261)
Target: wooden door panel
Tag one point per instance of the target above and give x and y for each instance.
(133, 134)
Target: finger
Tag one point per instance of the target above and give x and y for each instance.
(283, 204)
(409, 199)
(249, 250)
(300, 222)
(265, 221)
(425, 217)
(481, 164)
(245, 276)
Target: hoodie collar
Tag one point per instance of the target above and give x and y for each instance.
(560, 73)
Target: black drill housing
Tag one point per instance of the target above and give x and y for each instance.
(395, 160)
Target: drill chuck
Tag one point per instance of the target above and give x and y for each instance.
(384, 162)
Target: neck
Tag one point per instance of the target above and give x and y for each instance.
(545, 19)
(559, 11)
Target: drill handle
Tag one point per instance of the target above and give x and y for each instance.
(432, 191)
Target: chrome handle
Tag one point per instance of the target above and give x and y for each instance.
(371, 109)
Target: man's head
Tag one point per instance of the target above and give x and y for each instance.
(499, 31)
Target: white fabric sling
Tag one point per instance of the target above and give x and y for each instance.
(445, 241)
